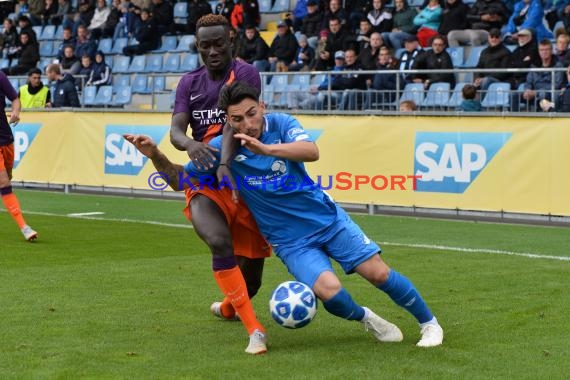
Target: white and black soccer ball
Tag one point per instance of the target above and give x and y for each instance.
(293, 304)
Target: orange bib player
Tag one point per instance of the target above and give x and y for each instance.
(238, 248)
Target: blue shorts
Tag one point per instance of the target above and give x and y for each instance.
(343, 241)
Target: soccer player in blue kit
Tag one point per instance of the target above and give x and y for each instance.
(302, 223)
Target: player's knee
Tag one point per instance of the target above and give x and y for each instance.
(253, 286)
(327, 286)
(219, 245)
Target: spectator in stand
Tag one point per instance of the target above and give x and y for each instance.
(299, 13)
(428, 21)
(383, 86)
(25, 26)
(403, 25)
(196, 9)
(312, 22)
(100, 74)
(356, 10)
(562, 103)
(380, 17)
(524, 56)
(353, 85)
(8, 38)
(408, 106)
(27, 54)
(565, 18)
(225, 8)
(368, 57)
(469, 102)
(363, 36)
(538, 84)
(147, 36)
(69, 62)
(99, 19)
(495, 56)
(63, 15)
(251, 14)
(35, 11)
(67, 40)
(409, 56)
(253, 49)
(528, 14)
(84, 45)
(283, 47)
(321, 47)
(85, 68)
(483, 16)
(453, 17)
(84, 14)
(34, 94)
(21, 9)
(108, 28)
(304, 57)
(335, 11)
(435, 59)
(64, 91)
(50, 10)
(163, 16)
(562, 53)
(236, 18)
(338, 39)
(6, 7)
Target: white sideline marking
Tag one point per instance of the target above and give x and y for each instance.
(79, 214)
(477, 250)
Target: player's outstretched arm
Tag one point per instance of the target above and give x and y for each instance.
(201, 154)
(301, 151)
(147, 146)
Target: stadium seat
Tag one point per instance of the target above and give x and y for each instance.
(172, 63)
(5, 62)
(122, 97)
(187, 43)
(46, 48)
(105, 45)
(456, 54)
(119, 44)
(88, 96)
(15, 82)
(264, 6)
(109, 61)
(280, 80)
(280, 6)
(38, 30)
(304, 80)
(473, 57)
(44, 62)
(58, 33)
(414, 92)
(168, 43)
(104, 96)
(158, 84)
(153, 63)
(189, 62)
(456, 97)
(180, 12)
(121, 64)
(172, 98)
(267, 94)
(140, 84)
(437, 95)
(48, 33)
(137, 64)
(497, 96)
(121, 81)
(318, 79)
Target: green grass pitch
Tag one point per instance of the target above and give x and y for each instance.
(126, 294)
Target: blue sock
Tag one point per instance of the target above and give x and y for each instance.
(342, 305)
(403, 293)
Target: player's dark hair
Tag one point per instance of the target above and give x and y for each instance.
(212, 20)
(236, 92)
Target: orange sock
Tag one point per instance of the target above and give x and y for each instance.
(227, 309)
(232, 284)
(13, 206)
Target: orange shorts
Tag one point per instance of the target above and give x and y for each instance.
(6, 157)
(247, 239)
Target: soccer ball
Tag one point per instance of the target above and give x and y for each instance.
(293, 305)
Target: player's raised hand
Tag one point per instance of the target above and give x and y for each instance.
(143, 143)
(252, 144)
(225, 177)
(202, 155)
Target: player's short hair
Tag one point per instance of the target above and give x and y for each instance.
(53, 68)
(236, 92)
(212, 20)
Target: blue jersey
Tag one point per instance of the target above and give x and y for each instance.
(286, 204)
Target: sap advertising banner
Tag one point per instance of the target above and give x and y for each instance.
(24, 135)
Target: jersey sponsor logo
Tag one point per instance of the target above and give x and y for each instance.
(450, 162)
(121, 157)
(240, 158)
(24, 135)
(209, 117)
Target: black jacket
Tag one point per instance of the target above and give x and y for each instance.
(284, 47)
(494, 57)
(64, 93)
(252, 50)
(454, 17)
(429, 61)
(483, 7)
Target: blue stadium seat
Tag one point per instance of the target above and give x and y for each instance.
(119, 44)
(473, 57)
(456, 54)
(437, 95)
(280, 81)
(122, 97)
(137, 64)
(105, 45)
(48, 33)
(187, 43)
(121, 64)
(497, 96)
(38, 31)
(414, 92)
(88, 96)
(172, 63)
(44, 62)
(264, 6)
(140, 84)
(5, 62)
(58, 33)
(15, 82)
(456, 97)
(318, 79)
(267, 94)
(153, 63)
(158, 84)
(189, 62)
(109, 61)
(304, 80)
(121, 81)
(280, 6)
(172, 98)
(104, 96)
(180, 12)
(168, 43)
(46, 48)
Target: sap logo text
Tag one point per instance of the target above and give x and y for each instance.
(121, 157)
(24, 135)
(450, 162)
